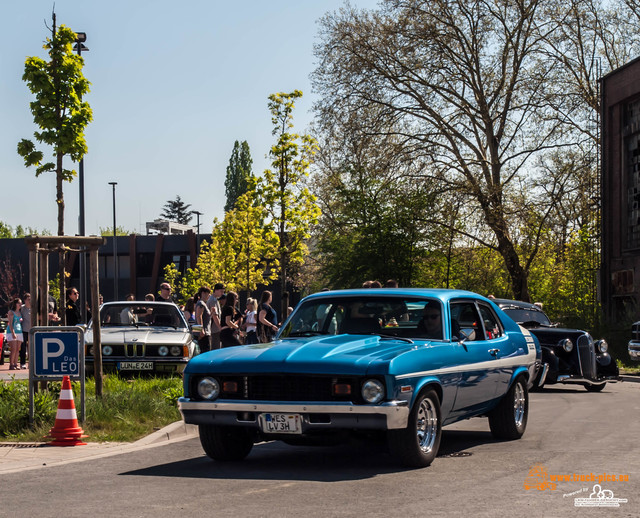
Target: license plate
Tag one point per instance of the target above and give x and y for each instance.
(135, 366)
(280, 423)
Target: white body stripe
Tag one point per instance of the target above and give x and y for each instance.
(524, 360)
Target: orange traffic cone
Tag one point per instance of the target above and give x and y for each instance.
(66, 431)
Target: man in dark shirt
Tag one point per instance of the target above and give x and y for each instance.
(72, 310)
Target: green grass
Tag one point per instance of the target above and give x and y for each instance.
(128, 410)
(629, 367)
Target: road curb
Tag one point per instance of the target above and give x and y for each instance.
(629, 378)
(169, 432)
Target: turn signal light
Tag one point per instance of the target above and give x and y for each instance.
(230, 387)
(341, 389)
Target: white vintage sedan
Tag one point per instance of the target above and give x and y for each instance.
(142, 336)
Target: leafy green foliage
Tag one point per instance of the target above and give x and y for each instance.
(178, 211)
(58, 86)
(242, 252)
(128, 410)
(239, 174)
(291, 207)
(120, 231)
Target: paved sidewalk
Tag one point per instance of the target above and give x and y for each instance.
(16, 457)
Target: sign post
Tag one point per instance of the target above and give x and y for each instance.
(55, 352)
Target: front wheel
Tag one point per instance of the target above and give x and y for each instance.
(225, 443)
(417, 445)
(594, 388)
(509, 419)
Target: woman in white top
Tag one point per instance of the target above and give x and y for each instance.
(251, 319)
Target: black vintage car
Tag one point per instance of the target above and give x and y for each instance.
(568, 355)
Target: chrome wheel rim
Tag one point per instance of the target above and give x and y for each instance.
(426, 425)
(519, 404)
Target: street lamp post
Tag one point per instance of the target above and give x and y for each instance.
(198, 214)
(115, 245)
(81, 37)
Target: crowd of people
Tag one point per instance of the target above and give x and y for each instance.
(215, 316)
(218, 321)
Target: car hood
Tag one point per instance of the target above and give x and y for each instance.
(342, 354)
(121, 335)
(552, 335)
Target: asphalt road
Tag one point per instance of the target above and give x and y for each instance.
(570, 432)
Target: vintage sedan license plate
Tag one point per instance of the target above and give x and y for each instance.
(135, 366)
(280, 423)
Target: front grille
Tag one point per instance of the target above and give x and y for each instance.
(134, 350)
(287, 388)
(587, 357)
(635, 332)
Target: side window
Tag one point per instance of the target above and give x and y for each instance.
(465, 321)
(492, 328)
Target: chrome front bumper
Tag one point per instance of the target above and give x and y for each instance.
(315, 416)
(565, 378)
(634, 350)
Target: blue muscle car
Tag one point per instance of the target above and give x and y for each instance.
(398, 362)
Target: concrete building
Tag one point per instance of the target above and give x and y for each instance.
(620, 268)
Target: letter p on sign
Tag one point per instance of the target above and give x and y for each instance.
(52, 348)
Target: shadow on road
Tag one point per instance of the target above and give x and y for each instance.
(279, 461)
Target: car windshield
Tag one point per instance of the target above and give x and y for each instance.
(521, 316)
(138, 314)
(385, 316)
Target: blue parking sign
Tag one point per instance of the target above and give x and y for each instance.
(57, 353)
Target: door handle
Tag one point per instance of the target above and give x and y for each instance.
(494, 352)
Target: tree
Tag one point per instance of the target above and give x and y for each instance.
(60, 113)
(465, 84)
(290, 206)
(6, 232)
(238, 174)
(178, 211)
(369, 196)
(120, 231)
(58, 109)
(242, 252)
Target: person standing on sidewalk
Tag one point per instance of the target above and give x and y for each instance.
(71, 307)
(14, 332)
(25, 311)
(214, 306)
(203, 318)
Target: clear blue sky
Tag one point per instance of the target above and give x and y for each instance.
(174, 84)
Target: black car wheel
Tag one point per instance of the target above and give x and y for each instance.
(509, 419)
(594, 388)
(417, 445)
(224, 443)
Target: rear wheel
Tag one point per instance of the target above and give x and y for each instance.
(417, 445)
(224, 443)
(594, 388)
(509, 419)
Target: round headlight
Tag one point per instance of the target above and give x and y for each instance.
(602, 346)
(208, 388)
(163, 350)
(107, 350)
(567, 345)
(372, 391)
(91, 350)
(176, 350)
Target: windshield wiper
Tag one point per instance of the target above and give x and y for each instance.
(394, 337)
(306, 333)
